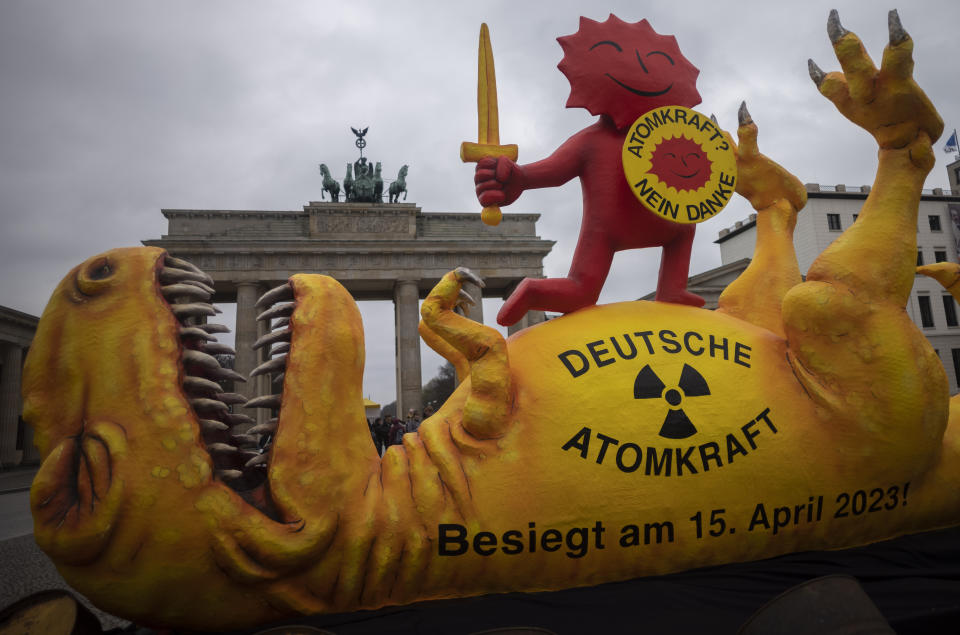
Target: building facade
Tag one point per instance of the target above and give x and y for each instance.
(831, 209)
(16, 439)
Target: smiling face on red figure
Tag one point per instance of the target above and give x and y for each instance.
(623, 69)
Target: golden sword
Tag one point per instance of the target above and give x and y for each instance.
(488, 125)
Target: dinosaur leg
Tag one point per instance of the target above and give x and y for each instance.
(491, 397)
(757, 294)
(588, 271)
(850, 341)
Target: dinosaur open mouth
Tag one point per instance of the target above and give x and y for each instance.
(237, 446)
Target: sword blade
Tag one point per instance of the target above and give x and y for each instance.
(488, 122)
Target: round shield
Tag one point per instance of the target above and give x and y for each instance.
(679, 165)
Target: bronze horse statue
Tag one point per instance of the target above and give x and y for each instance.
(400, 185)
(329, 184)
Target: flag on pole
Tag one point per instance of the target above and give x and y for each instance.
(951, 143)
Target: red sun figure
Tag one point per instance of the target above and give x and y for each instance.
(681, 163)
(618, 71)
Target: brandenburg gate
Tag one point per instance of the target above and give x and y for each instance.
(378, 251)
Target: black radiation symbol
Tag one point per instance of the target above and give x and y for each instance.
(677, 424)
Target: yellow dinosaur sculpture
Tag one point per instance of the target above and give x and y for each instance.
(618, 441)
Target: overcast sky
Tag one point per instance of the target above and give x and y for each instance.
(110, 111)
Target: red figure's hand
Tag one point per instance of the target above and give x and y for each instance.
(499, 181)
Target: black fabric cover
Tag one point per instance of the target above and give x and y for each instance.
(914, 581)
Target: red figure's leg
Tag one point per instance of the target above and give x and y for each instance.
(674, 267)
(591, 263)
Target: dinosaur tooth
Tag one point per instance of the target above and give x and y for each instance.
(274, 365)
(236, 418)
(193, 309)
(184, 291)
(208, 426)
(273, 337)
(213, 328)
(260, 459)
(178, 263)
(193, 331)
(168, 275)
(229, 475)
(216, 348)
(266, 401)
(264, 428)
(193, 383)
(279, 348)
(231, 398)
(244, 439)
(276, 294)
(202, 404)
(224, 373)
(203, 360)
(279, 310)
(221, 448)
(201, 285)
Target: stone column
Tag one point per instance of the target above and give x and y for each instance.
(9, 404)
(245, 335)
(262, 383)
(407, 317)
(474, 312)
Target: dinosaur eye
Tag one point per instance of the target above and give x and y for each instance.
(100, 270)
(607, 42)
(94, 278)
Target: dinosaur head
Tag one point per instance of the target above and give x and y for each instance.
(103, 382)
(140, 448)
(622, 70)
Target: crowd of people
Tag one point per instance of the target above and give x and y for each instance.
(389, 430)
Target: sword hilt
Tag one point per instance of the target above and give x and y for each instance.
(472, 153)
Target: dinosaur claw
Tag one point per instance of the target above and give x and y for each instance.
(816, 74)
(466, 298)
(743, 115)
(897, 32)
(834, 29)
(713, 118)
(465, 274)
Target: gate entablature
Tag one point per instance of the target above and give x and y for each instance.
(387, 251)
